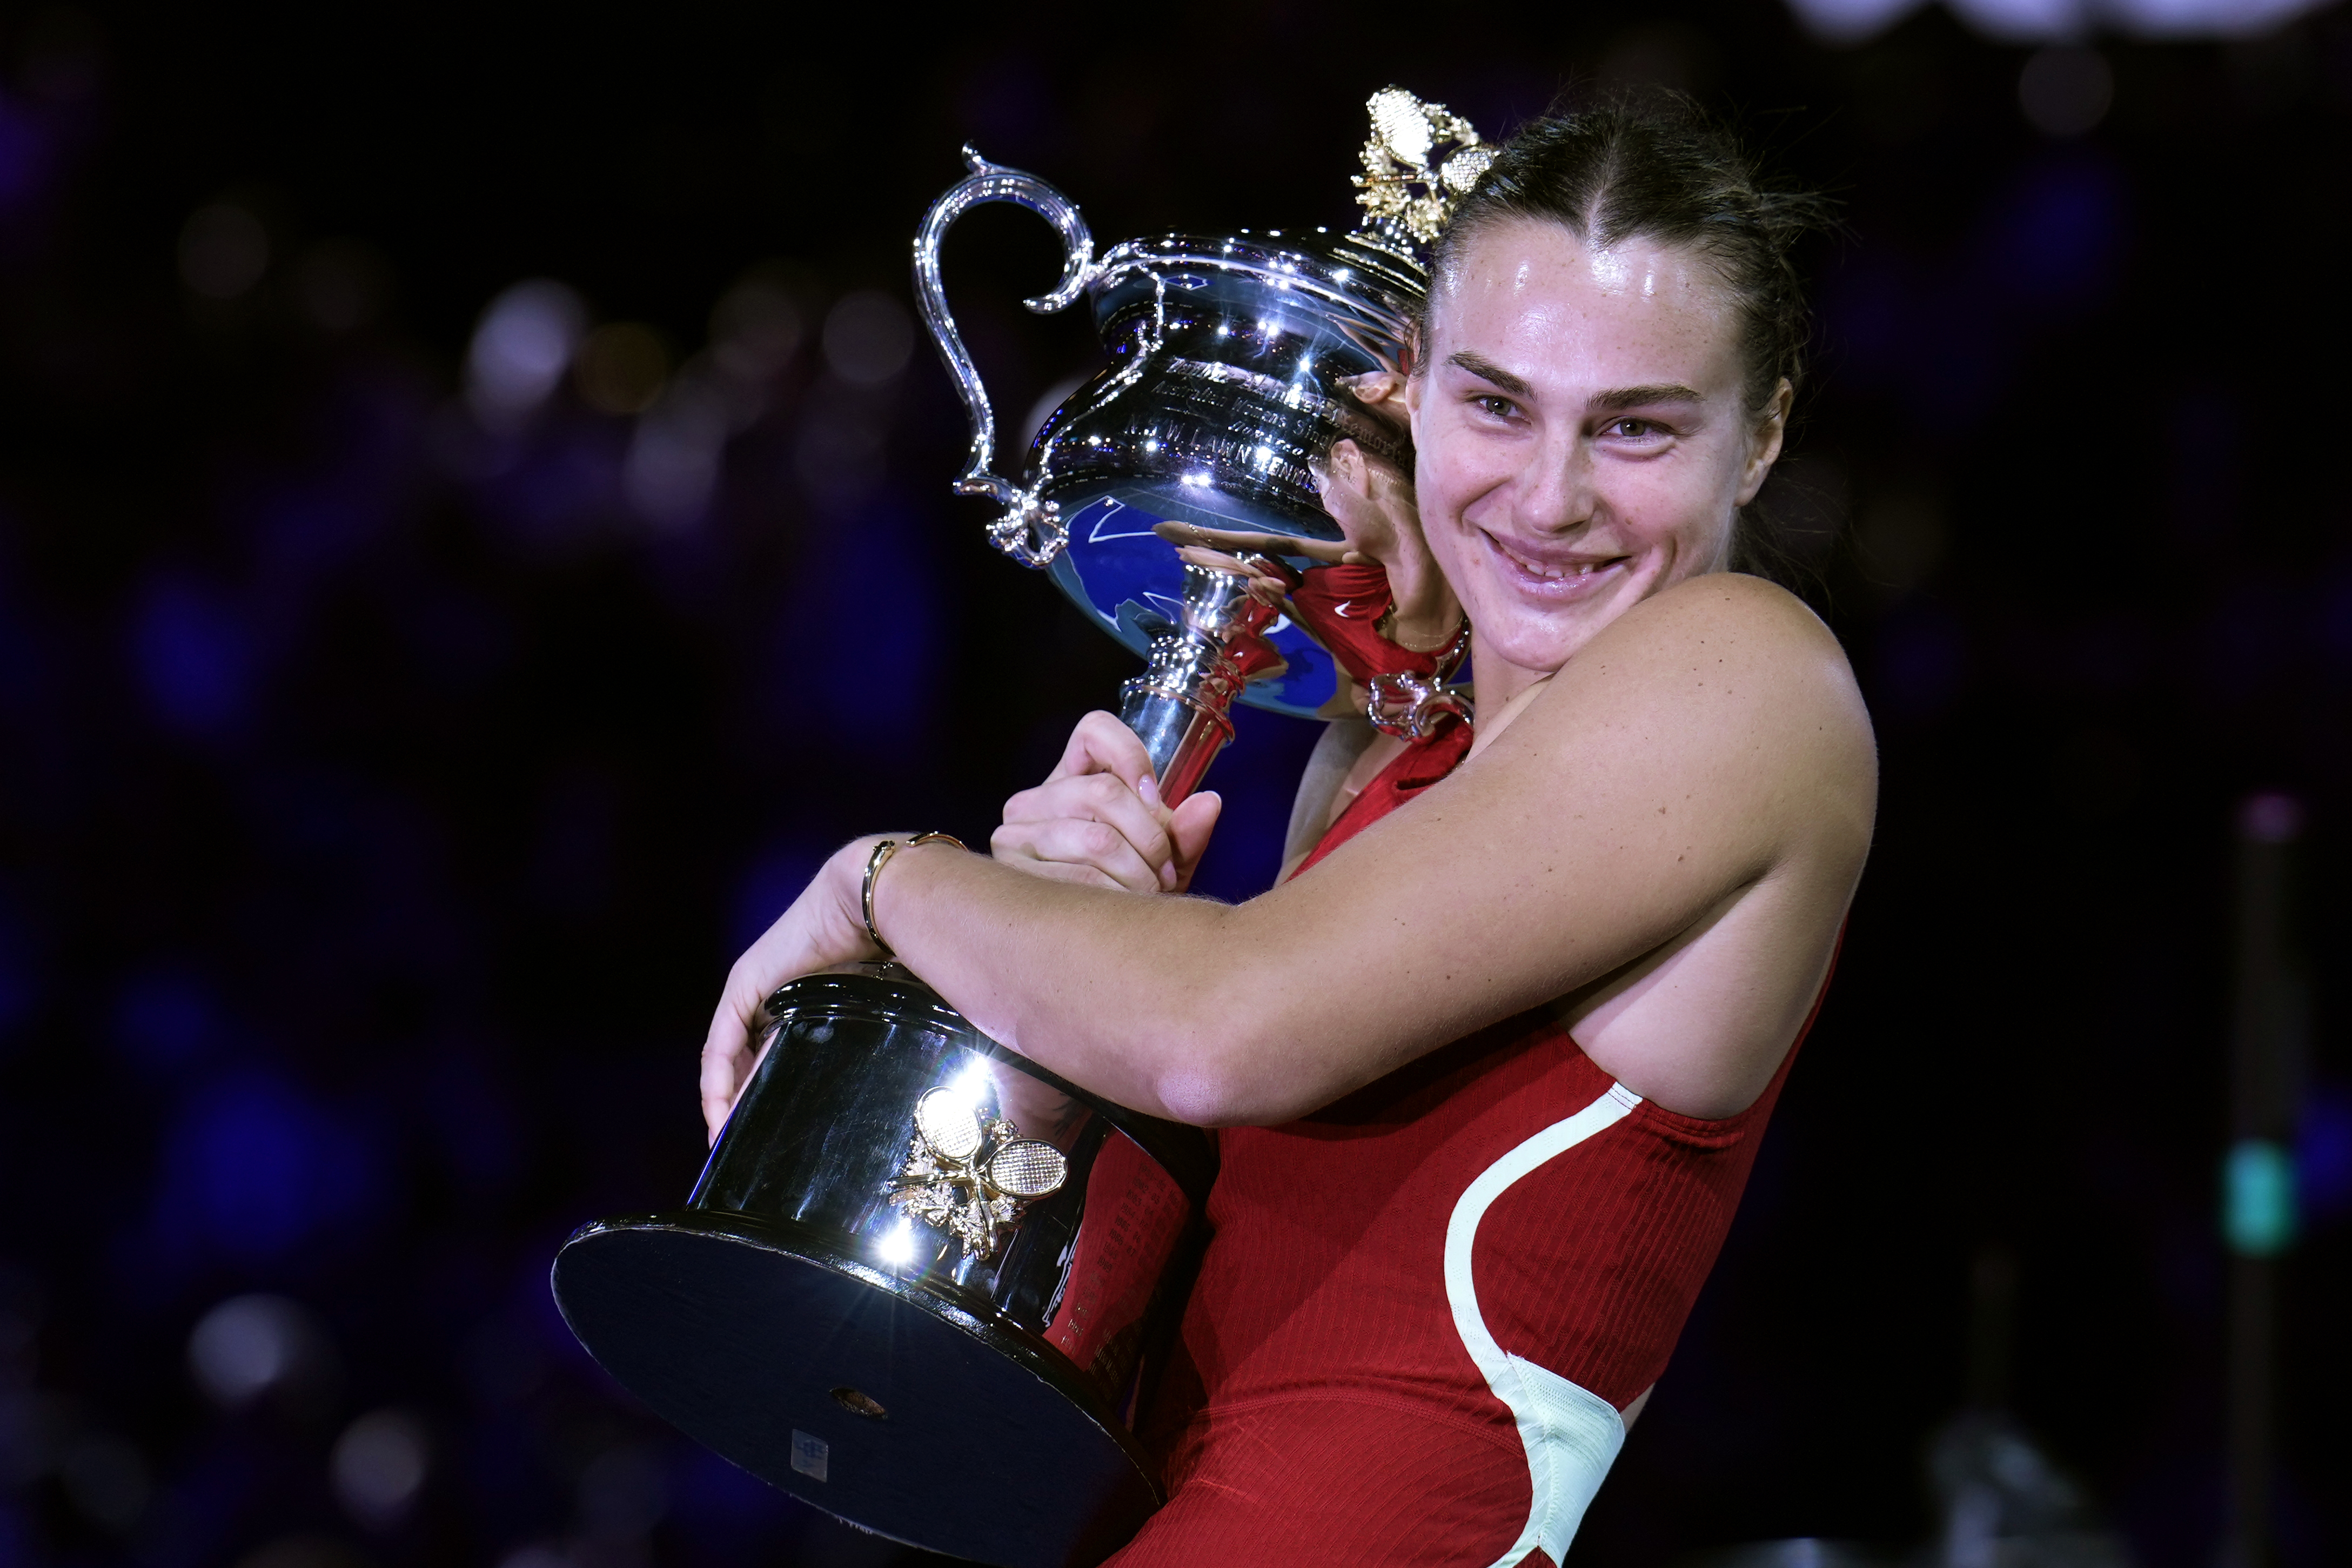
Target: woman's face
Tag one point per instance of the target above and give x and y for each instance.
(1581, 439)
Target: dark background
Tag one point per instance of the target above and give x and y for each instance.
(383, 791)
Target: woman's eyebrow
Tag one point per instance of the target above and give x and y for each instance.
(1627, 397)
(1489, 371)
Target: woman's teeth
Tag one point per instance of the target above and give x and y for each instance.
(1555, 574)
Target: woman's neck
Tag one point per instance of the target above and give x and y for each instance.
(1499, 693)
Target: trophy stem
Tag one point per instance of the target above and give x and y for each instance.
(1182, 705)
(1183, 734)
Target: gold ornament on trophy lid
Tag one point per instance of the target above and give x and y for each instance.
(1420, 162)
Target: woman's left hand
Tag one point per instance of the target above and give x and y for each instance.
(1099, 819)
(825, 926)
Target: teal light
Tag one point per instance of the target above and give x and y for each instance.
(2257, 1199)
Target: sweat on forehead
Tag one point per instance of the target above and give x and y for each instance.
(1636, 264)
(1509, 287)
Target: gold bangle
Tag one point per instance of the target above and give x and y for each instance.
(873, 864)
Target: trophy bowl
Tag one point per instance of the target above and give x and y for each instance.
(1230, 376)
(1229, 382)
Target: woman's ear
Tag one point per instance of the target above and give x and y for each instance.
(1765, 439)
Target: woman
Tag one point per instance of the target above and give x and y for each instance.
(1491, 1068)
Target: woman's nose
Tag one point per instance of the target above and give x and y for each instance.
(1556, 490)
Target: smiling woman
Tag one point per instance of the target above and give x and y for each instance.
(1636, 281)
(1491, 1066)
(1581, 422)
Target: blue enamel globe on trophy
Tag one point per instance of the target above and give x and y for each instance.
(922, 1283)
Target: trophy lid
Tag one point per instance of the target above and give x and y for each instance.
(1420, 161)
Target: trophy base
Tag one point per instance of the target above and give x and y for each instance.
(880, 1402)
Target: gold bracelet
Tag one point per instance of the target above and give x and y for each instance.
(873, 864)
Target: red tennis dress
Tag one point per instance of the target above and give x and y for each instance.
(1423, 1307)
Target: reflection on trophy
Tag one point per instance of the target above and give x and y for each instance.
(923, 1283)
(1231, 362)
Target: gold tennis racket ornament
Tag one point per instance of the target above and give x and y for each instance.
(972, 1176)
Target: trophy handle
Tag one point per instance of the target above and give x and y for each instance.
(1029, 529)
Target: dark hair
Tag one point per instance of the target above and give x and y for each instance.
(1653, 165)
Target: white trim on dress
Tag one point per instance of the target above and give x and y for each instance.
(1572, 1433)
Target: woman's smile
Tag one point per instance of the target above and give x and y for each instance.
(1553, 576)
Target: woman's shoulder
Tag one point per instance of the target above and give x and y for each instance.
(1734, 615)
(1728, 667)
(1723, 636)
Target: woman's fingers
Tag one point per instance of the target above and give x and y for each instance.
(1083, 842)
(726, 1068)
(1069, 852)
(728, 1051)
(723, 1071)
(825, 926)
(1132, 816)
(1190, 825)
(1100, 816)
(1104, 777)
(1101, 744)
(1056, 844)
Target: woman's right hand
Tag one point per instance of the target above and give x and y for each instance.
(1099, 819)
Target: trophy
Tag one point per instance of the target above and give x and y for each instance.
(1231, 360)
(923, 1283)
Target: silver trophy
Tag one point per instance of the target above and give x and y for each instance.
(1231, 364)
(923, 1283)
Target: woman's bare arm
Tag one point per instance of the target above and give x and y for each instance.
(1709, 744)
